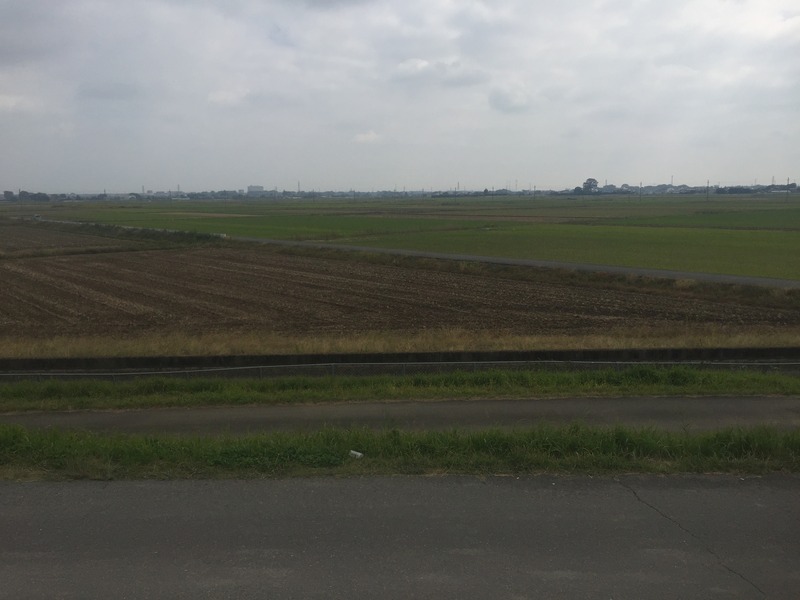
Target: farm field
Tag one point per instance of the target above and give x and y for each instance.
(235, 297)
(754, 236)
(70, 291)
(19, 241)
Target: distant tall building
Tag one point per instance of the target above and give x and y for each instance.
(255, 189)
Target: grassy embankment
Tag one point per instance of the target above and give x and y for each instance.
(29, 454)
(53, 454)
(164, 392)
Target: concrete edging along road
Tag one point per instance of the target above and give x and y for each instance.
(400, 363)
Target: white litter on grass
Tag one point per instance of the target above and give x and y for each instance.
(355, 454)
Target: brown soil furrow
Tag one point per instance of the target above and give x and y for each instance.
(54, 275)
(37, 305)
(298, 291)
(28, 305)
(155, 286)
(253, 288)
(14, 238)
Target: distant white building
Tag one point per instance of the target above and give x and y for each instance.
(255, 189)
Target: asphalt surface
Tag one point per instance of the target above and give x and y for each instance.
(699, 537)
(672, 413)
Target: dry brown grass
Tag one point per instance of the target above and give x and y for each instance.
(454, 340)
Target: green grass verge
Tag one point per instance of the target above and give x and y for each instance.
(31, 454)
(163, 392)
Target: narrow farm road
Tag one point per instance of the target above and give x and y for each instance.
(655, 537)
(672, 413)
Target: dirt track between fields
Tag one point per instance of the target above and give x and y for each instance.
(254, 288)
(674, 413)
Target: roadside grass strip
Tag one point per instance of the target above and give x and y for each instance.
(156, 392)
(58, 455)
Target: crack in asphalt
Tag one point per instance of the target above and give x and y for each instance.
(705, 546)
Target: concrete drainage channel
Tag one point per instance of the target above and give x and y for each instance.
(785, 360)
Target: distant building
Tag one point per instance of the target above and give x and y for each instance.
(255, 190)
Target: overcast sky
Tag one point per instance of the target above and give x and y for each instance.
(384, 94)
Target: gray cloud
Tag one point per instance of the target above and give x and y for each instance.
(510, 100)
(245, 91)
(332, 4)
(110, 91)
(453, 73)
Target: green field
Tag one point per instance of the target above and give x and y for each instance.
(757, 253)
(785, 219)
(751, 235)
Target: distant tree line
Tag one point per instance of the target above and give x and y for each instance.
(24, 196)
(589, 187)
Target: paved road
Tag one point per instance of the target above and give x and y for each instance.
(693, 414)
(404, 537)
(549, 264)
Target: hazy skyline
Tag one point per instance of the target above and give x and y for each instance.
(363, 94)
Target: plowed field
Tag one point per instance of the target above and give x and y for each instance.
(255, 289)
(22, 240)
